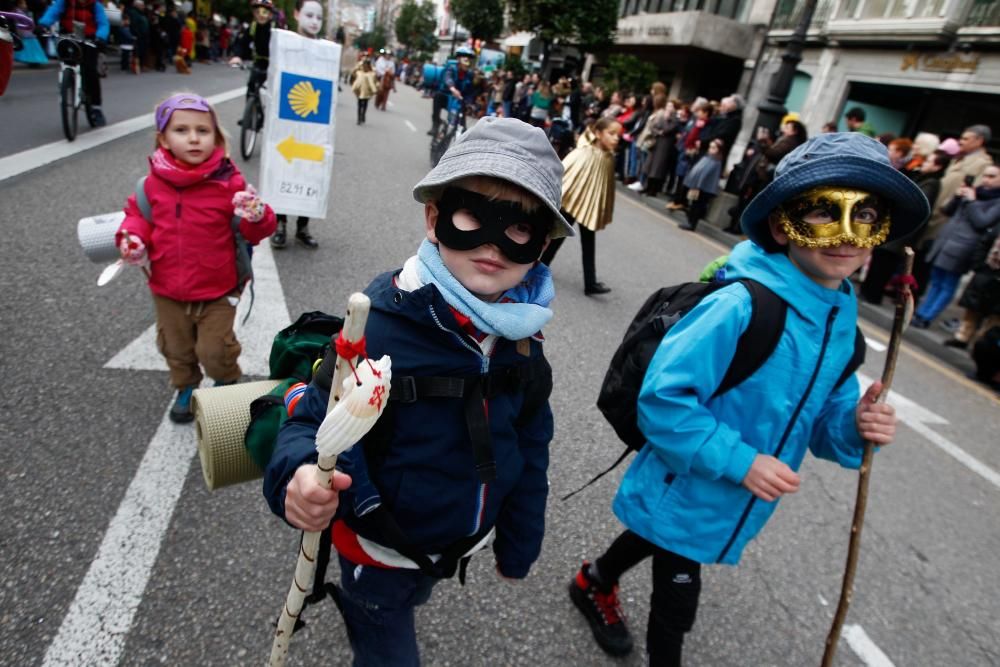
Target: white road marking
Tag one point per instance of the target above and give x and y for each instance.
(269, 315)
(97, 624)
(413, 128)
(33, 158)
(875, 345)
(865, 648)
(917, 418)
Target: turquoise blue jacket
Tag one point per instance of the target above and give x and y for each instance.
(683, 491)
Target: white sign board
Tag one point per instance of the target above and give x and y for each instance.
(297, 162)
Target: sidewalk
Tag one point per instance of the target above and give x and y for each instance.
(930, 340)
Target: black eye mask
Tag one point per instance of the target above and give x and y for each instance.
(494, 218)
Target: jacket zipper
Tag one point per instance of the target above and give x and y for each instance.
(788, 427)
(484, 369)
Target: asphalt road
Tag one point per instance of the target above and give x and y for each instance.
(29, 109)
(75, 434)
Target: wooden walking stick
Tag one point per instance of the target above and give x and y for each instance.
(904, 310)
(358, 395)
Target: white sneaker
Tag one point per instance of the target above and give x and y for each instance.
(636, 186)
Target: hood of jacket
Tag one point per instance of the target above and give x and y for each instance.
(777, 272)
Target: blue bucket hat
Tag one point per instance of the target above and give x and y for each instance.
(848, 159)
(507, 149)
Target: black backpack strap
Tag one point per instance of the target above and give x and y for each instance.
(381, 525)
(534, 378)
(600, 474)
(857, 358)
(323, 377)
(479, 431)
(537, 389)
(755, 345)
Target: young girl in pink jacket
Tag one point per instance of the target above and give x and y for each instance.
(189, 245)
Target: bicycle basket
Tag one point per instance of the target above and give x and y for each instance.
(69, 51)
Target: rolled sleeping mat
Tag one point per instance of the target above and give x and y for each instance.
(97, 236)
(221, 417)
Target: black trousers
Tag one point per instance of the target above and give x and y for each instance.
(257, 78)
(439, 105)
(587, 243)
(362, 109)
(676, 589)
(698, 208)
(91, 81)
(300, 223)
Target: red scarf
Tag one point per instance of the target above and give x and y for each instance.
(180, 174)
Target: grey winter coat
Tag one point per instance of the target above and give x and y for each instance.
(955, 246)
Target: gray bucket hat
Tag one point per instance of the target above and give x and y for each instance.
(510, 150)
(848, 159)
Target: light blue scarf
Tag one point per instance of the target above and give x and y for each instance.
(527, 314)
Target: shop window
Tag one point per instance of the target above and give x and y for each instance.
(891, 9)
(984, 13)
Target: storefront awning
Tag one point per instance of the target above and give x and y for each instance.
(521, 39)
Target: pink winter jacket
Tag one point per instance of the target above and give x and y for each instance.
(191, 246)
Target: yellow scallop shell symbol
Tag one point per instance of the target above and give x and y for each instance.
(304, 99)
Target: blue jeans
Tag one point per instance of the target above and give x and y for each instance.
(632, 161)
(378, 609)
(939, 294)
(508, 109)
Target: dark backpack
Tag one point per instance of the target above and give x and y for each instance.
(244, 251)
(296, 354)
(619, 396)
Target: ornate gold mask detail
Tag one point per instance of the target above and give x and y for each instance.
(826, 217)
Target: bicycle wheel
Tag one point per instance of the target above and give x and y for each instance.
(250, 126)
(67, 103)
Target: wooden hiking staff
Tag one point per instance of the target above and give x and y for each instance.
(904, 310)
(346, 422)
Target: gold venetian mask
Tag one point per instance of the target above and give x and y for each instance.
(826, 217)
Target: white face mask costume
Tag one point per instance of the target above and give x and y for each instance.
(310, 18)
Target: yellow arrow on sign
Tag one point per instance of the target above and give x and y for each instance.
(291, 149)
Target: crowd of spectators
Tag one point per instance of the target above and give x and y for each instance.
(149, 36)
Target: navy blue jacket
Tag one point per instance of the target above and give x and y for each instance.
(428, 478)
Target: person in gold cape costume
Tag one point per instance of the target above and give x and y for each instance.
(589, 194)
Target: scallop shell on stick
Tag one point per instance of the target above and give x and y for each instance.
(363, 399)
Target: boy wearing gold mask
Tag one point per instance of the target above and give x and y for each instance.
(715, 465)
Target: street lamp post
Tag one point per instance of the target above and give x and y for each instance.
(772, 109)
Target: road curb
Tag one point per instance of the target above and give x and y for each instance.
(929, 340)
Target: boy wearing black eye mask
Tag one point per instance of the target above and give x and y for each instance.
(459, 459)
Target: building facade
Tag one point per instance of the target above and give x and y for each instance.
(699, 47)
(912, 65)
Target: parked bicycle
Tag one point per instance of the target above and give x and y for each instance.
(72, 93)
(449, 131)
(252, 122)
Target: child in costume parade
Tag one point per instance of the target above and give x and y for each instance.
(365, 86)
(714, 467)
(255, 44)
(193, 191)
(589, 194)
(462, 456)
